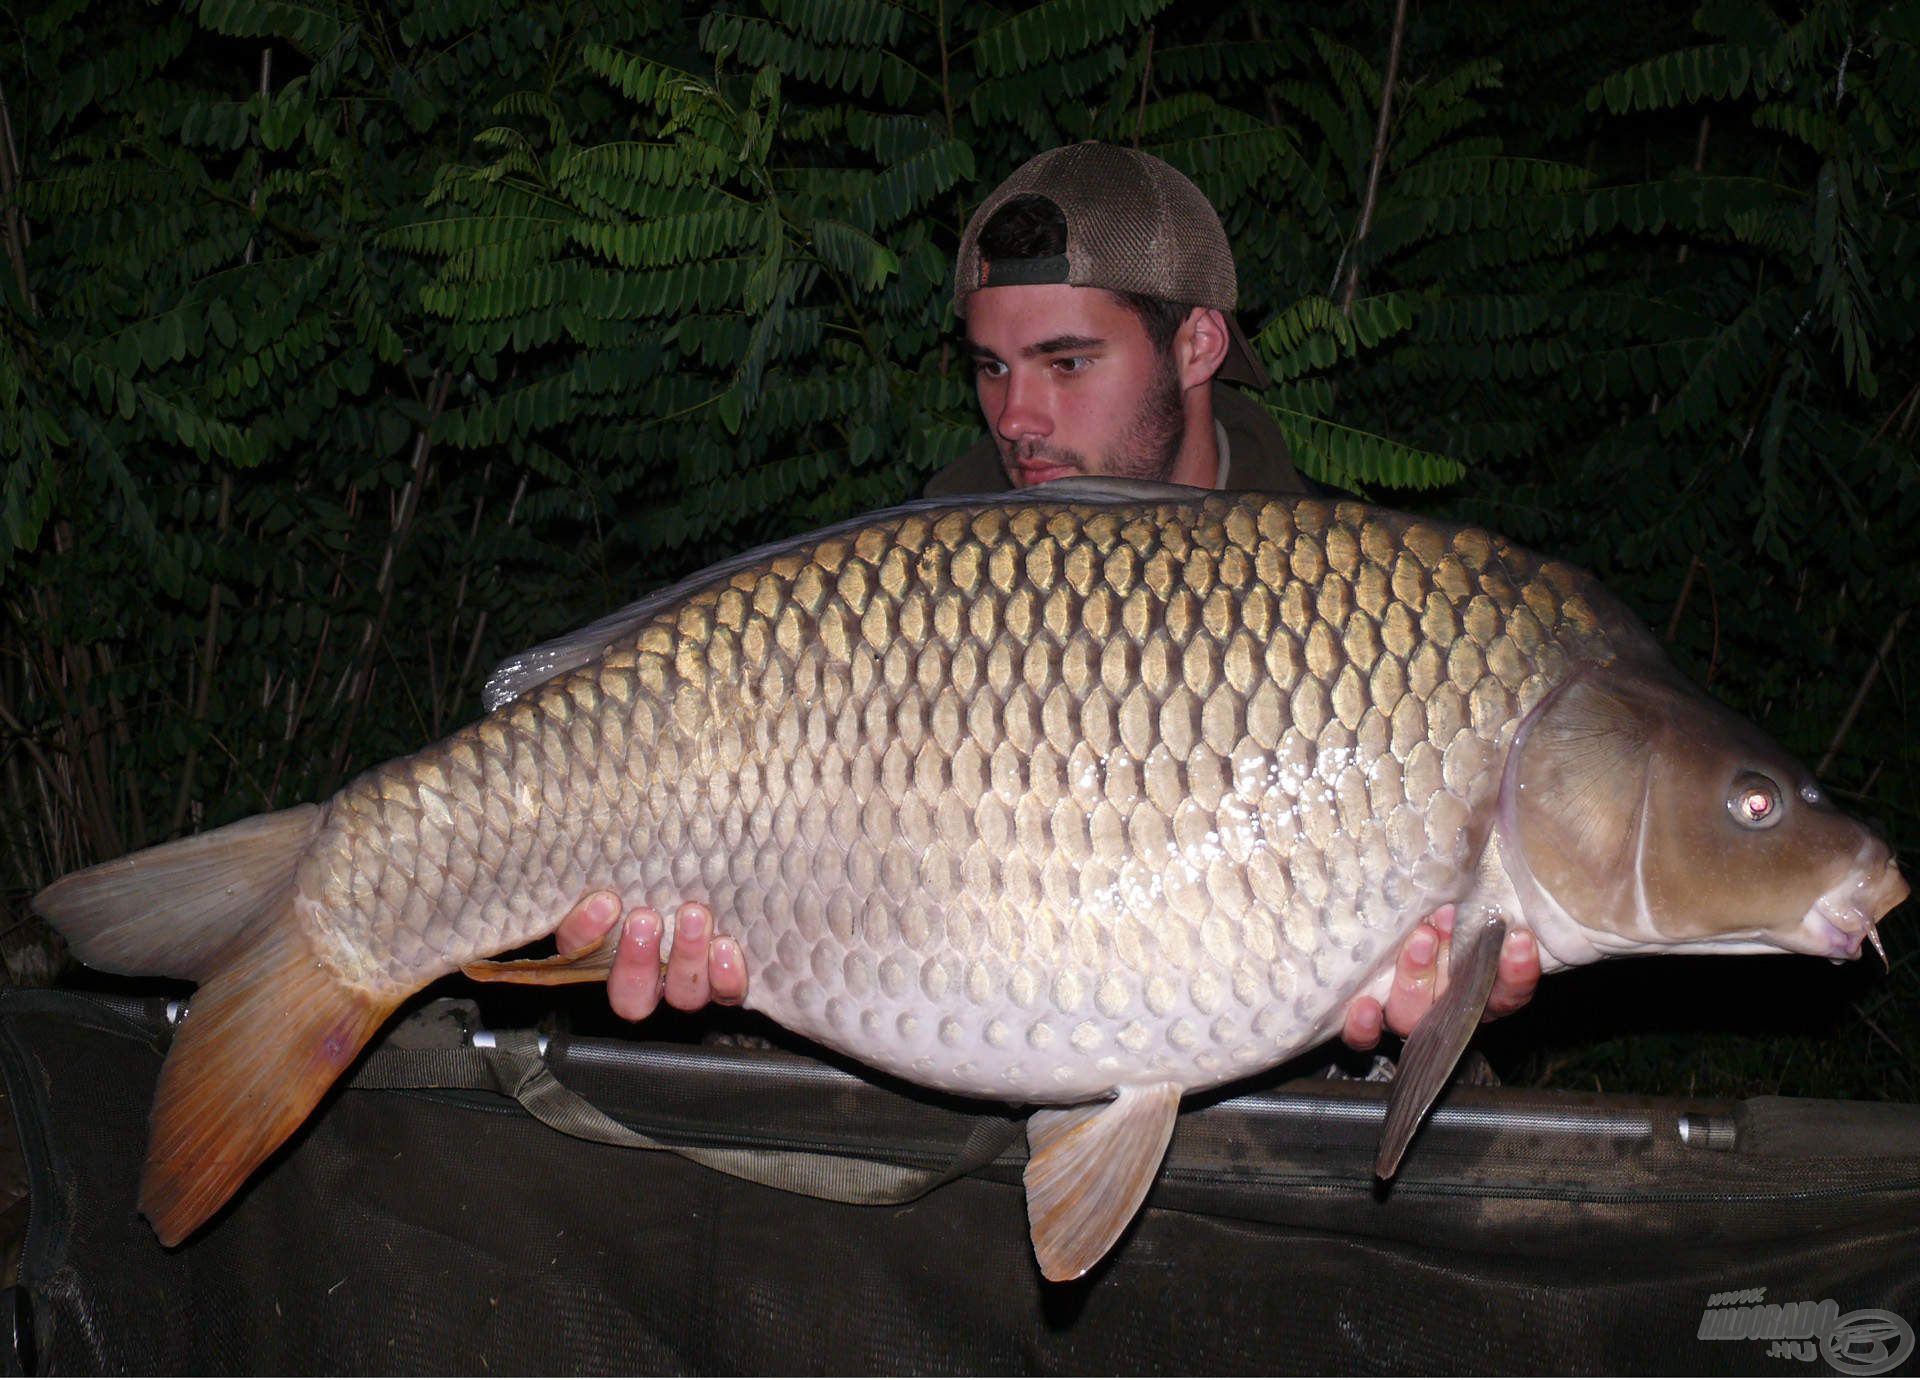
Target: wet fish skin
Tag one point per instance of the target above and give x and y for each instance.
(1016, 802)
(1040, 799)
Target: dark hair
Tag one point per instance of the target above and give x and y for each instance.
(1026, 227)
(1033, 227)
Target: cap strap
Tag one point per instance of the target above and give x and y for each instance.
(1018, 272)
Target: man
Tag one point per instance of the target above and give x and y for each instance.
(1098, 291)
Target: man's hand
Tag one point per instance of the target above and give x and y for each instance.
(700, 969)
(1420, 973)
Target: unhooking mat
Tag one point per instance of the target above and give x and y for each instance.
(449, 1231)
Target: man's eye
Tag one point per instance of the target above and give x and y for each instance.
(989, 368)
(1072, 364)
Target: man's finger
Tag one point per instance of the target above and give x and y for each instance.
(633, 988)
(727, 972)
(1365, 1020)
(687, 985)
(1518, 975)
(592, 916)
(1416, 977)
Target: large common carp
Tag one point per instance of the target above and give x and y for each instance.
(1087, 797)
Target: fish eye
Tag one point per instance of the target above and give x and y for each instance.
(1754, 801)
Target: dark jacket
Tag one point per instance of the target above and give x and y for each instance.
(1256, 454)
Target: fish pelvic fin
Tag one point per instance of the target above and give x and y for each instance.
(1088, 1171)
(172, 910)
(594, 963)
(1438, 1041)
(263, 1039)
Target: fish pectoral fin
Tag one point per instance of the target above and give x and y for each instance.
(1088, 1170)
(591, 964)
(1441, 1036)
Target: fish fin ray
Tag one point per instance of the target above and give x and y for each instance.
(1090, 1169)
(594, 963)
(262, 1041)
(172, 910)
(1440, 1038)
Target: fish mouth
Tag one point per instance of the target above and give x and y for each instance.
(1848, 916)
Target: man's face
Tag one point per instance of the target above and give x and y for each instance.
(1070, 384)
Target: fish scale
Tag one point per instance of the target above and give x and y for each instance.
(1086, 797)
(1021, 803)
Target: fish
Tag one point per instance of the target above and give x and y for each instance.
(1084, 798)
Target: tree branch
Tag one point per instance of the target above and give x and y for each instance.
(1860, 695)
(1379, 154)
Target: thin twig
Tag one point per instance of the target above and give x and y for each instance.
(67, 673)
(17, 797)
(480, 623)
(1713, 604)
(1860, 695)
(402, 525)
(203, 682)
(253, 197)
(1698, 567)
(1274, 116)
(1913, 396)
(946, 75)
(1874, 1026)
(1866, 787)
(1146, 79)
(19, 731)
(202, 687)
(1913, 411)
(19, 235)
(459, 599)
(1379, 154)
(1699, 166)
(298, 697)
(1680, 604)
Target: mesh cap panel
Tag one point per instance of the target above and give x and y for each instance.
(1134, 224)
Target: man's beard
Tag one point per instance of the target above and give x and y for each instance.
(1146, 449)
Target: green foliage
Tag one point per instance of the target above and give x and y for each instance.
(346, 349)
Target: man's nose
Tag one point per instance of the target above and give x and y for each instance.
(1023, 411)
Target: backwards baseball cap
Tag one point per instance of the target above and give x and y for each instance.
(1135, 223)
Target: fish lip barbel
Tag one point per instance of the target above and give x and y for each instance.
(1849, 914)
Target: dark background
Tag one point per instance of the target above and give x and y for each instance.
(347, 348)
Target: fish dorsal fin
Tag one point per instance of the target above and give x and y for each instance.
(1088, 1170)
(523, 671)
(1441, 1036)
(1105, 488)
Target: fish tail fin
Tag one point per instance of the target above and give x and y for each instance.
(263, 1040)
(174, 909)
(269, 1030)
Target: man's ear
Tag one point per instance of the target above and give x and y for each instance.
(1200, 346)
